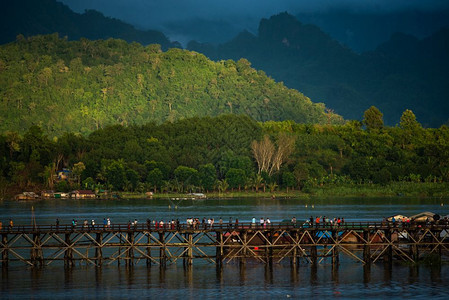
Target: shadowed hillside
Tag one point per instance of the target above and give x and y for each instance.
(403, 73)
(32, 17)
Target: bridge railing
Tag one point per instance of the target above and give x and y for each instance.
(216, 226)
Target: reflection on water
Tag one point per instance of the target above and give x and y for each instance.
(202, 280)
(245, 280)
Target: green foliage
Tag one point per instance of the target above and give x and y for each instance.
(62, 186)
(207, 176)
(114, 172)
(288, 179)
(236, 178)
(88, 184)
(186, 176)
(409, 122)
(82, 86)
(373, 118)
(206, 154)
(155, 178)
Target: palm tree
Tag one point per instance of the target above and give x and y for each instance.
(222, 186)
(272, 186)
(258, 181)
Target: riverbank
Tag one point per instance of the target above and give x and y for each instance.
(395, 189)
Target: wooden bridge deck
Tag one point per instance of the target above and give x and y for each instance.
(363, 242)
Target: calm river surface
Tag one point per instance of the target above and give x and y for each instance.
(253, 281)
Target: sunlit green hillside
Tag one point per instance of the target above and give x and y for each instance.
(80, 86)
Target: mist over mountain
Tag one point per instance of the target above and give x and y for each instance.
(361, 25)
(32, 17)
(364, 31)
(403, 73)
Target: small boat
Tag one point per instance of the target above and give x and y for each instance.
(424, 217)
(397, 218)
(26, 196)
(198, 195)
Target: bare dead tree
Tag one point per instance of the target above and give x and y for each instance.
(270, 158)
(285, 147)
(263, 153)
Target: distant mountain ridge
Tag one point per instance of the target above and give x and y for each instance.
(403, 73)
(32, 17)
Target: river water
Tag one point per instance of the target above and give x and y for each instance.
(253, 280)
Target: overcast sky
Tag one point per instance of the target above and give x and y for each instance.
(155, 13)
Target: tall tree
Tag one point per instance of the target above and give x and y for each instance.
(373, 118)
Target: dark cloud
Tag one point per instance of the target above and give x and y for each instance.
(216, 21)
(156, 13)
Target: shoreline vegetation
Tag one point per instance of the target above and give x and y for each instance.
(369, 191)
(395, 189)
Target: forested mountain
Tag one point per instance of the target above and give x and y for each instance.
(81, 86)
(403, 73)
(32, 17)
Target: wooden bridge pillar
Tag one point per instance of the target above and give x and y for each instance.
(367, 248)
(36, 255)
(4, 250)
(99, 249)
(388, 254)
(149, 250)
(313, 249)
(68, 254)
(219, 249)
(130, 252)
(271, 246)
(366, 273)
(335, 273)
(437, 234)
(190, 250)
(120, 242)
(244, 236)
(162, 254)
(335, 250)
(414, 252)
(294, 259)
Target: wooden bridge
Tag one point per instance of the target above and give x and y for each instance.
(363, 242)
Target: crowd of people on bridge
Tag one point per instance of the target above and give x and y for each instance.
(210, 223)
(10, 225)
(323, 221)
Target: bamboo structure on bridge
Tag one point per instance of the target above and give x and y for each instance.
(365, 243)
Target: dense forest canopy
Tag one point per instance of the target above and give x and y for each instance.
(82, 86)
(228, 152)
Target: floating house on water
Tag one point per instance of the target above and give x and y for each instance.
(83, 194)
